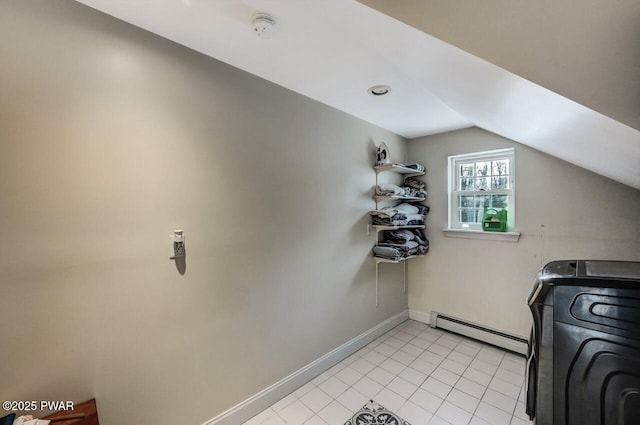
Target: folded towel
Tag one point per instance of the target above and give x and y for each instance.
(417, 167)
(388, 252)
(414, 183)
(399, 235)
(415, 217)
(407, 208)
(389, 189)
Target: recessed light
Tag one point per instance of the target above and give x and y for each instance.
(379, 90)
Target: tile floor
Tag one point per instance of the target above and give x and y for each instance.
(425, 375)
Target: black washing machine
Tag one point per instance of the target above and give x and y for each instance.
(583, 366)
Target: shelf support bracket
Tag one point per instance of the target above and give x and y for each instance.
(377, 264)
(404, 276)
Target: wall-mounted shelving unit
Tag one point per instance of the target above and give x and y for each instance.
(406, 172)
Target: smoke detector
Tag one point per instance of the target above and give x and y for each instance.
(264, 25)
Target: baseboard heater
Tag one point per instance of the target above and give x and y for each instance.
(481, 333)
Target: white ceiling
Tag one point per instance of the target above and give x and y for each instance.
(333, 50)
(585, 50)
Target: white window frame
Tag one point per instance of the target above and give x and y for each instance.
(454, 192)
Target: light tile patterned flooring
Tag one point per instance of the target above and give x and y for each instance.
(425, 375)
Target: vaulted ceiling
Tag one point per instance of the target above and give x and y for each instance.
(560, 76)
(585, 50)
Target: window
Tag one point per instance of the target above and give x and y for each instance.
(478, 181)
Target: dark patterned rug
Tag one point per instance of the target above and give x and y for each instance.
(374, 414)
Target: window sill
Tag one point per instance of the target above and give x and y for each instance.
(479, 234)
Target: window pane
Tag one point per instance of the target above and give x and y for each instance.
(466, 170)
(466, 184)
(466, 215)
(499, 201)
(499, 182)
(500, 167)
(466, 177)
(483, 169)
(481, 201)
(483, 183)
(466, 201)
(479, 215)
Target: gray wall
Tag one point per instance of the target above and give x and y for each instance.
(584, 216)
(110, 138)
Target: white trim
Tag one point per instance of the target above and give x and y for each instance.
(255, 404)
(484, 154)
(419, 316)
(471, 331)
(480, 234)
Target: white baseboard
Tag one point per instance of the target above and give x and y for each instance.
(419, 316)
(515, 343)
(265, 398)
